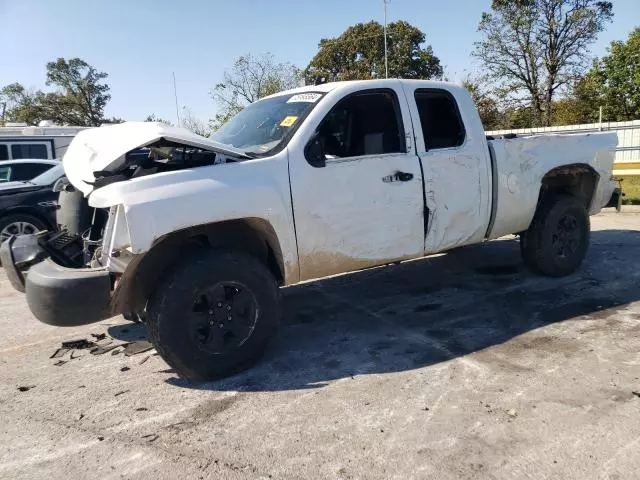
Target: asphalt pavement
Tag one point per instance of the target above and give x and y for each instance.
(458, 366)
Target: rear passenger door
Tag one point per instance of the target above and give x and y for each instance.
(456, 170)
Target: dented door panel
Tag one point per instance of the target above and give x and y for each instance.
(457, 180)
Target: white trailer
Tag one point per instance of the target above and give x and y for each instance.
(19, 141)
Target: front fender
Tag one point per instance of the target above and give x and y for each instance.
(157, 205)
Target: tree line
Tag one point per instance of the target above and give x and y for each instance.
(534, 69)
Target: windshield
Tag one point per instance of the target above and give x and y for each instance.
(49, 177)
(267, 124)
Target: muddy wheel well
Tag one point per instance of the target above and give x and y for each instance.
(578, 180)
(252, 235)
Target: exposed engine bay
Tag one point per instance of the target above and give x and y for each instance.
(161, 156)
(81, 228)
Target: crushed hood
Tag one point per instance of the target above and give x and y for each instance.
(97, 149)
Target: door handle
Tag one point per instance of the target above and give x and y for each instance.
(398, 177)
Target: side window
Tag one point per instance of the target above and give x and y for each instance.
(4, 152)
(367, 123)
(29, 150)
(5, 174)
(442, 125)
(27, 171)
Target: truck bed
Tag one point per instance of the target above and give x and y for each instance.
(520, 163)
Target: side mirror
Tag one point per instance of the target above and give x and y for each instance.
(314, 152)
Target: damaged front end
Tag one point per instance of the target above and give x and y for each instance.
(60, 288)
(71, 276)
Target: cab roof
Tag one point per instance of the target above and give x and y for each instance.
(375, 83)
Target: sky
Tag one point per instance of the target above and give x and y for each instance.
(141, 43)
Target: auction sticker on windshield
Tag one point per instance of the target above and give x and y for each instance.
(305, 97)
(288, 121)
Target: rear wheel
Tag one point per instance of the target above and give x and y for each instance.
(19, 224)
(557, 240)
(214, 314)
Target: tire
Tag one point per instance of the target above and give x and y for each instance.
(187, 315)
(30, 224)
(558, 239)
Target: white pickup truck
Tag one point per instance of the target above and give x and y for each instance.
(197, 234)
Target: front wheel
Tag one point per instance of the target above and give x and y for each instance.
(557, 240)
(214, 314)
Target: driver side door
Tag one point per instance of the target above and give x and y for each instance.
(362, 205)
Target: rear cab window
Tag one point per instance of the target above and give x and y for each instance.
(4, 152)
(440, 119)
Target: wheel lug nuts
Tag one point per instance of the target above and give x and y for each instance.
(211, 322)
(219, 304)
(229, 317)
(210, 312)
(221, 325)
(228, 307)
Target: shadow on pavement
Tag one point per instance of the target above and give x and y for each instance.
(425, 312)
(128, 332)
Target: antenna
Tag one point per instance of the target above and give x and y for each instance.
(175, 94)
(386, 60)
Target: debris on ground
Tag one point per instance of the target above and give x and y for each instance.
(512, 413)
(100, 438)
(135, 348)
(26, 388)
(78, 344)
(142, 409)
(122, 392)
(99, 336)
(103, 348)
(637, 394)
(124, 369)
(81, 416)
(59, 363)
(59, 353)
(116, 351)
(151, 437)
(72, 356)
(145, 359)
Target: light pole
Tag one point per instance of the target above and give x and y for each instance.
(175, 94)
(386, 60)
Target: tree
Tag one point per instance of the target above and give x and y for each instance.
(113, 120)
(82, 95)
(533, 49)
(358, 54)
(486, 104)
(618, 76)
(251, 78)
(154, 118)
(20, 105)
(581, 106)
(194, 124)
